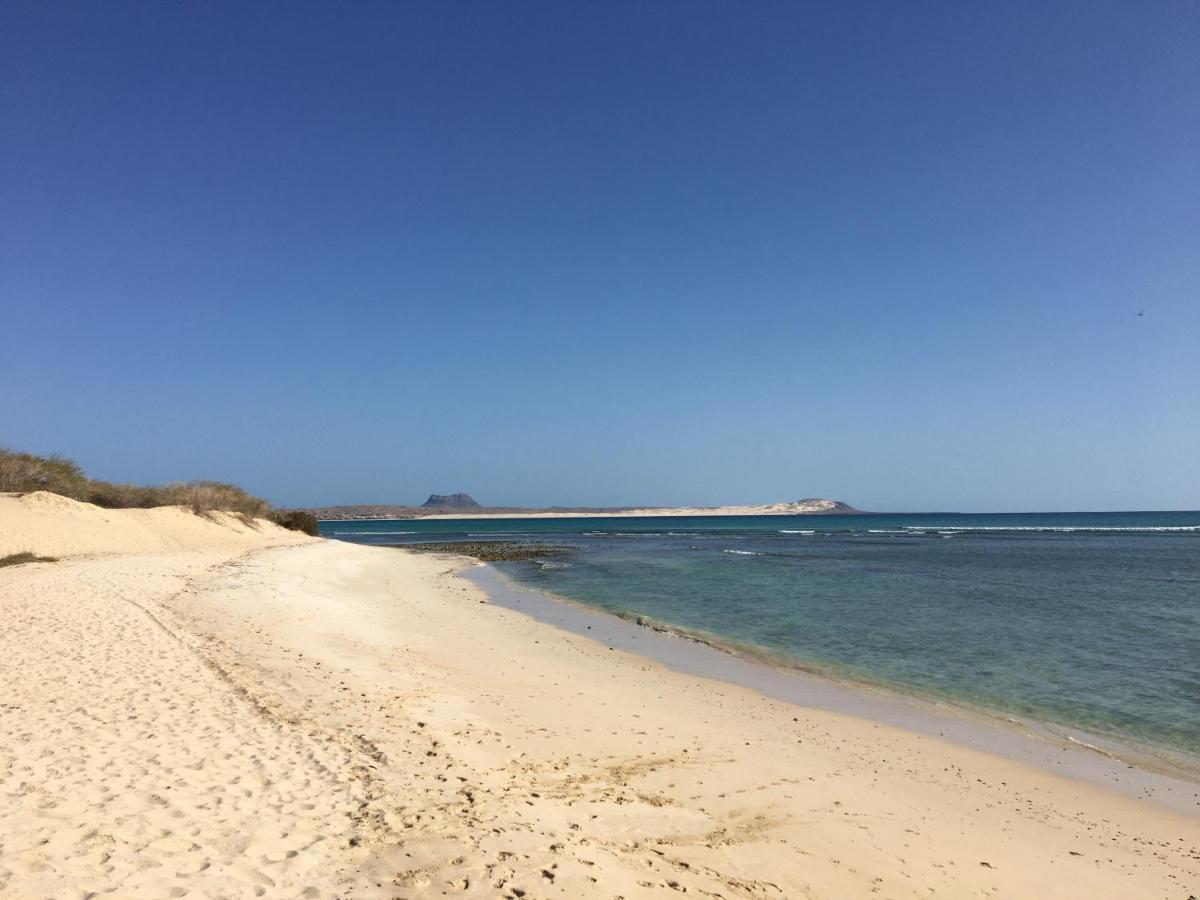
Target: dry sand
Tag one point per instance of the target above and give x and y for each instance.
(57, 526)
(282, 717)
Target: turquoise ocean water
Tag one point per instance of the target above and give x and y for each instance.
(1088, 620)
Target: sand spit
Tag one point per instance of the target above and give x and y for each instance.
(331, 720)
(791, 508)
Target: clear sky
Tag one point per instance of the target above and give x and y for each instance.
(608, 253)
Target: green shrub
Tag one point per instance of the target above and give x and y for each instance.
(297, 520)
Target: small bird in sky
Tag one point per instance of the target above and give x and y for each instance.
(1141, 312)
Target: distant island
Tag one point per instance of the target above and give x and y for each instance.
(450, 501)
(463, 506)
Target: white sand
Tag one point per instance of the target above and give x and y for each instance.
(320, 719)
(792, 508)
(57, 526)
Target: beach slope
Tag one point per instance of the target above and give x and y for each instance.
(284, 717)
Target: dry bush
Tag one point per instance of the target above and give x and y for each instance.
(125, 496)
(18, 471)
(19, 559)
(24, 472)
(211, 496)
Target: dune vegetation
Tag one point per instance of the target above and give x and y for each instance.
(20, 559)
(25, 472)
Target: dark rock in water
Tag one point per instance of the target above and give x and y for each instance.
(491, 551)
(450, 501)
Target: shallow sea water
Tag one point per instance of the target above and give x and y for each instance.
(1087, 620)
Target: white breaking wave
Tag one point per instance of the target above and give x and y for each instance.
(372, 532)
(957, 529)
(743, 552)
(786, 531)
(626, 533)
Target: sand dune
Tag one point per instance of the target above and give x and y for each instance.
(51, 525)
(303, 718)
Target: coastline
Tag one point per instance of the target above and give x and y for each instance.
(376, 512)
(648, 512)
(1161, 775)
(311, 717)
(1084, 634)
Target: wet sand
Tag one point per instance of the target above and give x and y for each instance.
(1073, 753)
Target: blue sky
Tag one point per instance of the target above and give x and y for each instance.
(608, 253)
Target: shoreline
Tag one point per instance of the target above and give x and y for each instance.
(207, 709)
(1135, 770)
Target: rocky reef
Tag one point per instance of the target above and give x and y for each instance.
(491, 551)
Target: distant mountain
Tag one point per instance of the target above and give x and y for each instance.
(450, 501)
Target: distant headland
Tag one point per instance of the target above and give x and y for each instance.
(450, 501)
(463, 506)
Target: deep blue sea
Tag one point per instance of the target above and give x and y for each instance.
(1088, 620)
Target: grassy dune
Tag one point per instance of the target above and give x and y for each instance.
(22, 473)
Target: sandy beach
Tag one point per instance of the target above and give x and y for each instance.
(208, 707)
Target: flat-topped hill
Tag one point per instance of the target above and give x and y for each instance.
(451, 501)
